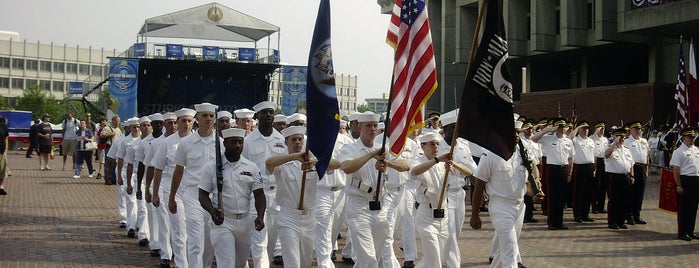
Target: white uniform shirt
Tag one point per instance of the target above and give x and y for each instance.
(395, 178)
(601, 144)
(367, 173)
(557, 150)
(164, 157)
(257, 148)
(462, 155)
(336, 178)
(194, 153)
(115, 147)
(240, 179)
(430, 182)
(533, 148)
(639, 149)
(583, 150)
(620, 161)
(505, 179)
(124, 147)
(150, 150)
(145, 145)
(687, 159)
(289, 177)
(131, 149)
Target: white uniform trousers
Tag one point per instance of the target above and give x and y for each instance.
(173, 228)
(457, 212)
(231, 241)
(261, 249)
(367, 230)
(433, 236)
(507, 217)
(297, 236)
(408, 240)
(347, 249)
(141, 212)
(199, 250)
(121, 203)
(131, 207)
(393, 199)
(328, 203)
(153, 223)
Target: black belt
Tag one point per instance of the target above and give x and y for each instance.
(552, 165)
(689, 177)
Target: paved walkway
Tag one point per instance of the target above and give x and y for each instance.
(50, 219)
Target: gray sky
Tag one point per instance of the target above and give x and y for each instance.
(358, 29)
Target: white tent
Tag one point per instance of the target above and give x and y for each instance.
(212, 21)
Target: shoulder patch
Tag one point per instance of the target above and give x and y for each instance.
(246, 173)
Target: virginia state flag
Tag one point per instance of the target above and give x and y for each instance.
(485, 116)
(323, 120)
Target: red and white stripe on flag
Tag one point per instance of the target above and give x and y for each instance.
(681, 94)
(692, 90)
(415, 71)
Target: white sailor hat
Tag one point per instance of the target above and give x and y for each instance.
(280, 118)
(367, 116)
(205, 107)
(449, 117)
(518, 124)
(343, 122)
(264, 105)
(244, 113)
(295, 117)
(156, 117)
(222, 114)
(169, 116)
(352, 116)
(381, 126)
(233, 132)
(143, 120)
(185, 112)
(293, 131)
(429, 136)
(515, 115)
(131, 121)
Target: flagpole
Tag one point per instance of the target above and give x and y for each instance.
(474, 44)
(376, 204)
(303, 180)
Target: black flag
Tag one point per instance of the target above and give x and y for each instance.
(485, 116)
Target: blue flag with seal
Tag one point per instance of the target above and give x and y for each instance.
(123, 86)
(293, 87)
(323, 112)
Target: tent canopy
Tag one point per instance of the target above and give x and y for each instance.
(212, 21)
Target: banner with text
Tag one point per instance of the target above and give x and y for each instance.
(247, 54)
(123, 87)
(293, 86)
(210, 53)
(173, 51)
(75, 87)
(139, 49)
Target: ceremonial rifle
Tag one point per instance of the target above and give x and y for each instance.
(219, 169)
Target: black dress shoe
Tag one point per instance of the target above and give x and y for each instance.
(520, 265)
(562, 227)
(630, 222)
(614, 227)
(588, 219)
(693, 236)
(143, 242)
(577, 220)
(639, 221)
(346, 260)
(2, 192)
(685, 237)
(408, 264)
(122, 225)
(278, 260)
(164, 263)
(484, 209)
(155, 253)
(594, 212)
(131, 233)
(490, 260)
(623, 226)
(333, 258)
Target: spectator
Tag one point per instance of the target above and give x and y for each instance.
(101, 147)
(45, 141)
(83, 136)
(33, 130)
(70, 127)
(3, 156)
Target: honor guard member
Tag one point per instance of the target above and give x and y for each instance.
(134, 177)
(279, 122)
(296, 219)
(192, 156)
(601, 145)
(640, 150)
(223, 120)
(173, 231)
(131, 209)
(296, 119)
(429, 171)
(243, 119)
(330, 203)
(557, 148)
(121, 189)
(618, 167)
(110, 134)
(353, 126)
(583, 173)
(261, 144)
(230, 231)
(407, 211)
(456, 182)
(505, 181)
(361, 161)
(535, 151)
(144, 156)
(685, 168)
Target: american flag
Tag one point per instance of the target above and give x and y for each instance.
(414, 72)
(681, 94)
(692, 89)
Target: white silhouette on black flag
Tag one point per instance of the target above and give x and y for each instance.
(485, 116)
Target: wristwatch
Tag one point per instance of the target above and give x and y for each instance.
(436, 160)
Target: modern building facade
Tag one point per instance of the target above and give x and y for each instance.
(612, 59)
(50, 66)
(346, 86)
(378, 105)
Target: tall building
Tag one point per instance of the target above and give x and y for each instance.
(51, 66)
(346, 86)
(378, 105)
(612, 60)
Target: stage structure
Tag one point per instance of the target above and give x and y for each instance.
(157, 77)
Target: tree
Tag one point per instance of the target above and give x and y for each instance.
(363, 108)
(40, 102)
(4, 105)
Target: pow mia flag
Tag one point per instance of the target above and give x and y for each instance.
(485, 116)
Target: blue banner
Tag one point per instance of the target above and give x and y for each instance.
(276, 56)
(139, 49)
(247, 54)
(293, 85)
(75, 87)
(123, 87)
(210, 53)
(173, 51)
(323, 112)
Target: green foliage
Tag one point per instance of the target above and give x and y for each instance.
(363, 108)
(40, 102)
(4, 105)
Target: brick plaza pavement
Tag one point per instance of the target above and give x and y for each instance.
(50, 219)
